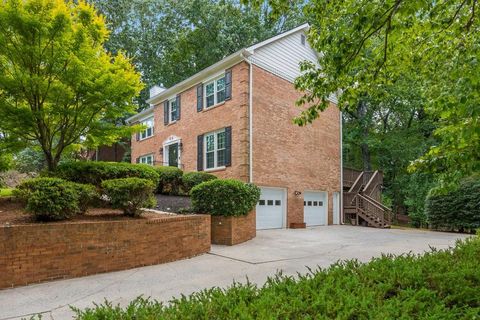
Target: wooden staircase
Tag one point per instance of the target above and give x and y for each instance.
(362, 199)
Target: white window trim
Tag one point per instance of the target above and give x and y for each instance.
(145, 157)
(214, 81)
(146, 129)
(172, 99)
(215, 154)
(166, 144)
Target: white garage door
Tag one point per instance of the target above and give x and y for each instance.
(315, 208)
(270, 208)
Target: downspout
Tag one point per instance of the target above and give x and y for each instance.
(342, 220)
(250, 119)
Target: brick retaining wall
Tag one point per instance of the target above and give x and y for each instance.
(41, 252)
(233, 230)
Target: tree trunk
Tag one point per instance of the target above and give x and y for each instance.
(362, 116)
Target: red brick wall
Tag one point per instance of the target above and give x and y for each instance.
(42, 252)
(288, 156)
(233, 230)
(233, 112)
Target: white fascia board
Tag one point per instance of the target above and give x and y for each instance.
(304, 26)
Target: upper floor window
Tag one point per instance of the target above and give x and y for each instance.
(148, 132)
(148, 159)
(172, 110)
(214, 92)
(215, 149)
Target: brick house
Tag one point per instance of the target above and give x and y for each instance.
(234, 119)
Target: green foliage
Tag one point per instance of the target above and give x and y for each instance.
(170, 180)
(30, 160)
(438, 285)
(94, 172)
(59, 87)
(192, 179)
(130, 194)
(457, 209)
(6, 162)
(167, 38)
(49, 199)
(224, 197)
(6, 192)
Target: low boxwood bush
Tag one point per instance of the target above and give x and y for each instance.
(130, 194)
(94, 172)
(437, 285)
(192, 179)
(170, 180)
(457, 210)
(49, 199)
(224, 197)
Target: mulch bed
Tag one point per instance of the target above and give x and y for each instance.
(13, 213)
(172, 203)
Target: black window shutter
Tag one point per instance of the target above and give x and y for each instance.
(200, 97)
(137, 160)
(228, 146)
(165, 112)
(228, 85)
(138, 136)
(200, 153)
(178, 107)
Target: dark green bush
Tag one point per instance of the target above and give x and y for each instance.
(170, 180)
(457, 210)
(224, 197)
(50, 199)
(130, 194)
(192, 179)
(94, 172)
(438, 285)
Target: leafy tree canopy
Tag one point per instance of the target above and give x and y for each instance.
(59, 87)
(368, 44)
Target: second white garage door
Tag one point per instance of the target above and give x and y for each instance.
(315, 208)
(270, 209)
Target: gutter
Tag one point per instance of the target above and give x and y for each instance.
(342, 216)
(250, 119)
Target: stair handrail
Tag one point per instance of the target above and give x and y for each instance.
(384, 207)
(376, 204)
(372, 178)
(352, 188)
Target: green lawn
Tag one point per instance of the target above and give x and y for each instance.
(5, 192)
(438, 285)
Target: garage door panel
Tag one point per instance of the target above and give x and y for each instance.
(270, 209)
(315, 208)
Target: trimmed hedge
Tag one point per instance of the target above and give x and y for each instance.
(170, 180)
(440, 284)
(94, 172)
(225, 197)
(457, 210)
(130, 194)
(192, 179)
(49, 199)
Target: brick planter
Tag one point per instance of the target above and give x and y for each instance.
(41, 252)
(233, 230)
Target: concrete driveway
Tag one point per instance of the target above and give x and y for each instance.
(288, 250)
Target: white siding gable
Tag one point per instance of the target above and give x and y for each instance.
(283, 56)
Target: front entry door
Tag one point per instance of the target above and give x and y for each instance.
(173, 155)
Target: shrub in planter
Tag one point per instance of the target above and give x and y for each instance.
(225, 197)
(170, 180)
(94, 172)
(192, 179)
(457, 209)
(130, 194)
(50, 199)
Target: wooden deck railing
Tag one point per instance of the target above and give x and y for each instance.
(349, 176)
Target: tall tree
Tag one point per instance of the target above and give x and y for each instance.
(171, 40)
(58, 85)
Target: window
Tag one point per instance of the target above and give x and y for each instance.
(215, 149)
(148, 159)
(261, 203)
(148, 132)
(302, 39)
(215, 92)
(172, 110)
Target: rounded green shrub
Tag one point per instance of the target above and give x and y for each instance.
(49, 199)
(225, 197)
(95, 172)
(170, 180)
(457, 210)
(192, 179)
(130, 194)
